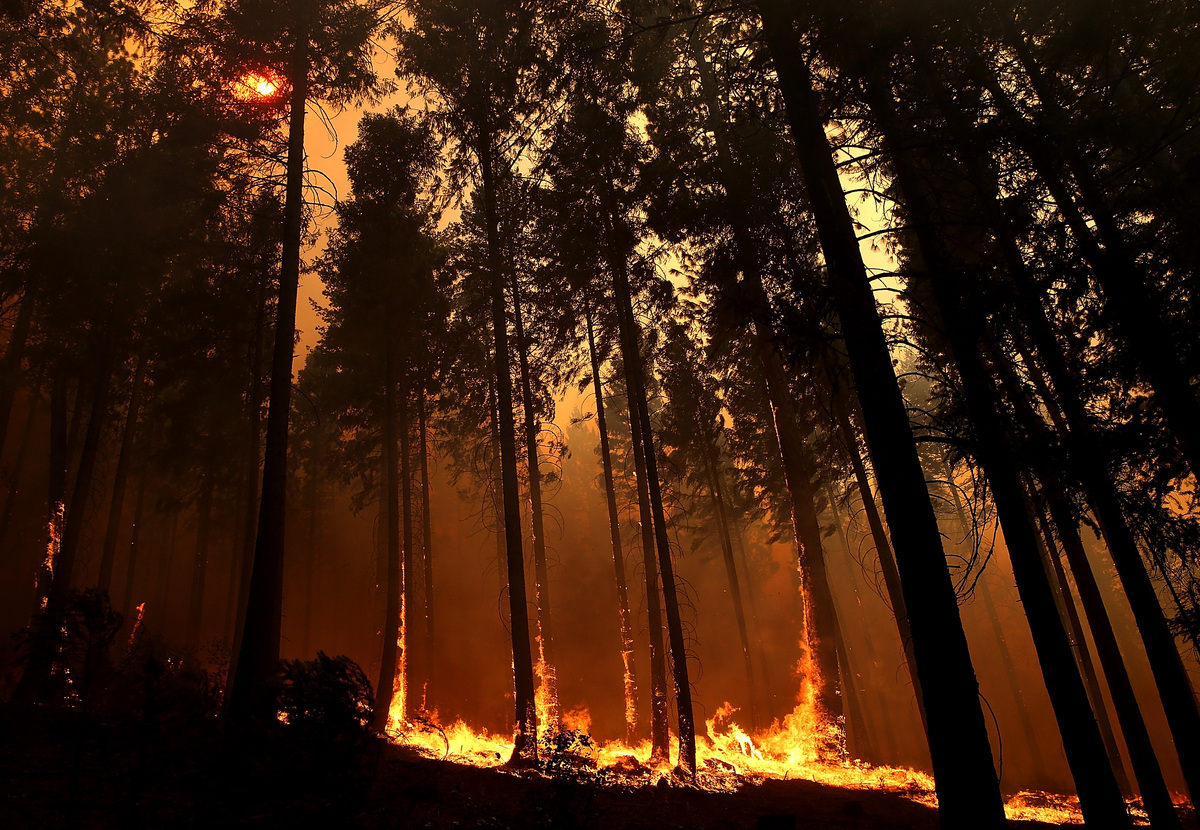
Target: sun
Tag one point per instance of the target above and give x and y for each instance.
(255, 85)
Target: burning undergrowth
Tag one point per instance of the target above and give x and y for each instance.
(798, 747)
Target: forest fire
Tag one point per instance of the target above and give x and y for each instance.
(730, 759)
(765, 403)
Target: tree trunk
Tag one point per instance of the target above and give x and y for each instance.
(660, 723)
(883, 550)
(242, 564)
(10, 500)
(525, 741)
(64, 570)
(1142, 757)
(312, 496)
(408, 607)
(878, 717)
(117, 501)
(10, 367)
(1079, 642)
(1099, 795)
(200, 562)
(56, 495)
(635, 379)
(135, 536)
(546, 671)
(393, 623)
(1040, 774)
(752, 595)
(967, 788)
(735, 590)
(429, 703)
(819, 614)
(258, 649)
(629, 671)
(1090, 459)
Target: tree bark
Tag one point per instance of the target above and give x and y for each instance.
(660, 728)
(635, 380)
(735, 590)
(628, 668)
(525, 741)
(546, 671)
(393, 623)
(258, 651)
(967, 788)
(429, 702)
(1099, 795)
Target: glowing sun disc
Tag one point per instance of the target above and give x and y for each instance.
(254, 85)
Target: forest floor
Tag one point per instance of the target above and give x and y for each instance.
(61, 770)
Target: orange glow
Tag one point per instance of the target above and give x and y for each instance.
(256, 86)
(802, 745)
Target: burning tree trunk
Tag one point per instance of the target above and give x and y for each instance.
(429, 703)
(393, 624)
(819, 615)
(545, 667)
(525, 742)
(124, 458)
(33, 685)
(660, 726)
(967, 788)
(629, 671)
(635, 379)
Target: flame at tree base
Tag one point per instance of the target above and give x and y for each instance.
(728, 758)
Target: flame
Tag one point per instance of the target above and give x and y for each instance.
(137, 624)
(397, 710)
(805, 744)
(546, 693)
(728, 758)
